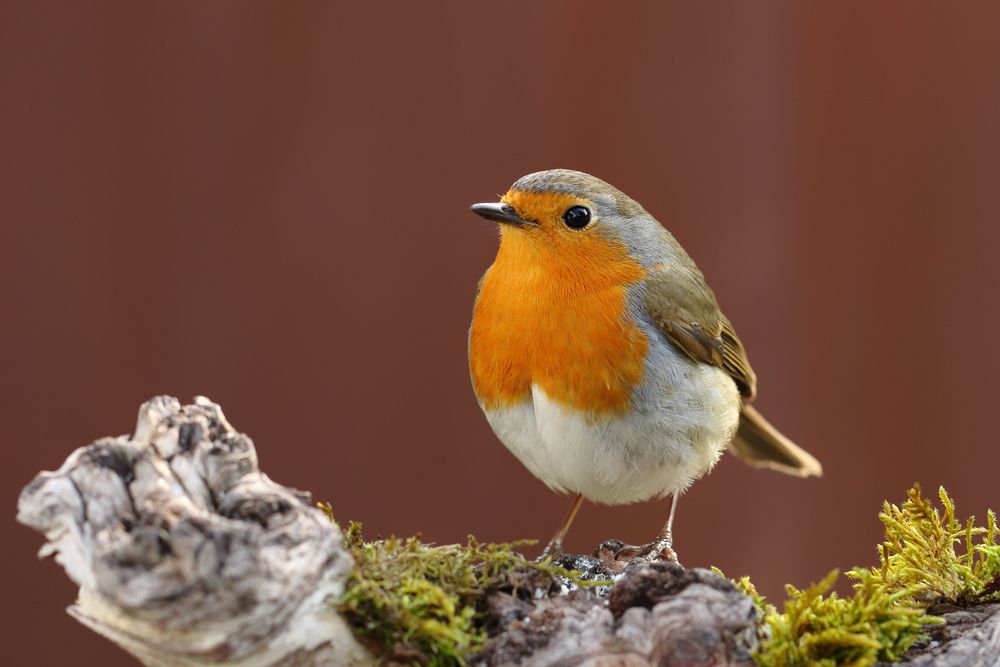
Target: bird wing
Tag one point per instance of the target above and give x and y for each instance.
(684, 308)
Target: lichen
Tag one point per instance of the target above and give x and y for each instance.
(887, 612)
(424, 604)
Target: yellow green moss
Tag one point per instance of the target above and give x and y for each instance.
(919, 554)
(816, 628)
(420, 603)
(887, 612)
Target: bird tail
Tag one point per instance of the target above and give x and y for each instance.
(759, 444)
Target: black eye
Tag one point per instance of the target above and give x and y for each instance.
(577, 217)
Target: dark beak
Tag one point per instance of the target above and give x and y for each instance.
(500, 213)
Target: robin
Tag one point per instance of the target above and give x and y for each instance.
(601, 358)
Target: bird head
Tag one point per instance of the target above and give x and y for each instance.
(571, 219)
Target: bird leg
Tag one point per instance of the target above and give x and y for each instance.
(661, 548)
(554, 548)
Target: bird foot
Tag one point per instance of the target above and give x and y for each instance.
(553, 550)
(616, 555)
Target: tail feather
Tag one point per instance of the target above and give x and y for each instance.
(759, 444)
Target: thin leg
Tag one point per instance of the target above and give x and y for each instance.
(555, 546)
(664, 542)
(661, 548)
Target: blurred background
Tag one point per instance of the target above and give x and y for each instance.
(267, 205)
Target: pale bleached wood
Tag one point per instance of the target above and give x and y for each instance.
(186, 554)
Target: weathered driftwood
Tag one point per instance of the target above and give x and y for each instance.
(186, 554)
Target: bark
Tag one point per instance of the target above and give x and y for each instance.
(186, 554)
(969, 638)
(654, 614)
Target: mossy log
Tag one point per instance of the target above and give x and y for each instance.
(187, 554)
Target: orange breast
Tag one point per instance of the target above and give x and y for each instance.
(552, 313)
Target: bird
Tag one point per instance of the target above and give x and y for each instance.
(601, 359)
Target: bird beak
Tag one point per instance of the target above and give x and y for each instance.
(500, 213)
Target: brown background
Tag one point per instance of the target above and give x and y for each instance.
(268, 206)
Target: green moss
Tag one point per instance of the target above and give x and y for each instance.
(423, 604)
(823, 629)
(919, 553)
(887, 612)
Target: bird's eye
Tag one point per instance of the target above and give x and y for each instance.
(577, 217)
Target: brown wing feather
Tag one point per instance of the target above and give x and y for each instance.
(685, 310)
(734, 360)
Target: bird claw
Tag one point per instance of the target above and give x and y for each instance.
(616, 555)
(664, 551)
(553, 550)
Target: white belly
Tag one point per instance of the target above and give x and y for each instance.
(683, 416)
